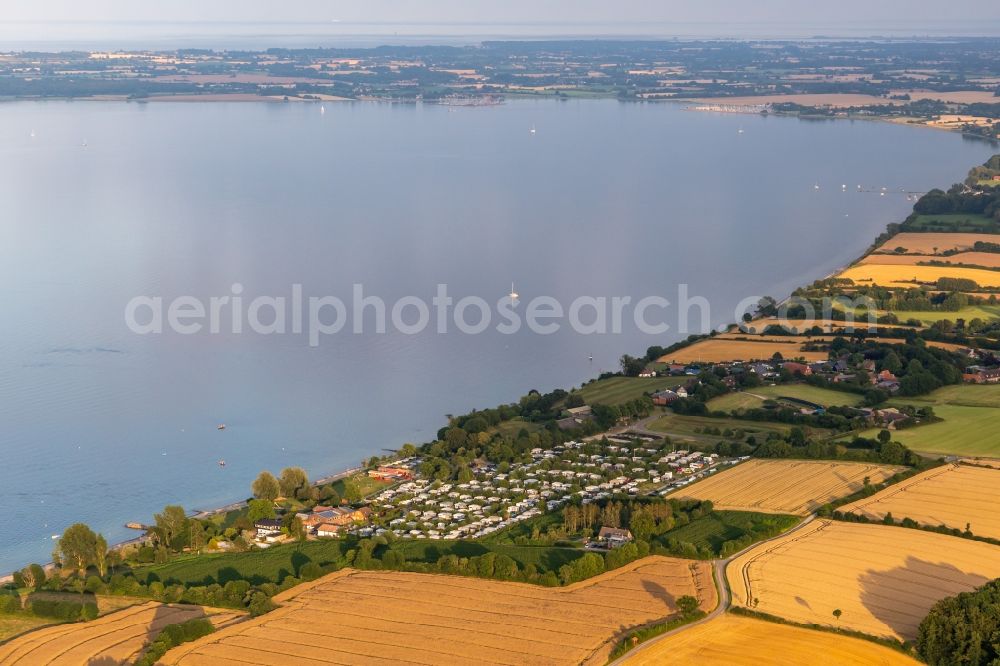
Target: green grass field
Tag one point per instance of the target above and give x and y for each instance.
(965, 431)
(984, 312)
(970, 395)
(513, 427)
(616, 390)
(735, 400)
(748, 399)
(688, 426)
(274, 564)
(718, 527)
(970, 426)
(955, 222)
(15, 624)
(262, 566)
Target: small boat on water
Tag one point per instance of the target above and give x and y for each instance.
(221, 426)
(222, 463)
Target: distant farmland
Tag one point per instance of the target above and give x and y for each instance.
(382, 617)
(713, 350)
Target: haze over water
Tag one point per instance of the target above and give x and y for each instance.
(104, 426)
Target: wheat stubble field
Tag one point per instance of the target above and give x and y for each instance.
(116, 638)
(796, 487)
(734, 640)
(883, 579)
(383, 617)
(956, 496)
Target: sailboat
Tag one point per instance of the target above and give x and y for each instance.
(532, 130)
(322, 109)
(513, 294)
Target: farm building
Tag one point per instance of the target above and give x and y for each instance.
(613, 537)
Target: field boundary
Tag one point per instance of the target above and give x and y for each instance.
(723, 592)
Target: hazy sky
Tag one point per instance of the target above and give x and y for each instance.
(54, 25)
(807, 12)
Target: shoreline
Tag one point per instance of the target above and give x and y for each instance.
(199, 514)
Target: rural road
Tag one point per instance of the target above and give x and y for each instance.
(721, 584)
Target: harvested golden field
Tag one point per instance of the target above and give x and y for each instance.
(883, 579)
(735, 640)
(383, 617)
(116, 638)
(920, 243)
(796, 487)
(952, 495)
(904, 276)
(718, 350)
(955, 96)
(988, 259)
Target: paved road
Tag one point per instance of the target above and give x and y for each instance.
(725, 596)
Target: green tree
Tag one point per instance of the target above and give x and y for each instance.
(259, 509)
(32, 576)
(687, 605)
(101, 555)
(171, 525)
(892, 363)
(259, 604)
(352, 492)
(198, 538)
(293, 482)
(297, 530)
(266, 487)
(962, 629)
(77, 546)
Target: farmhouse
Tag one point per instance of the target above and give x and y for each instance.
(327, 530)
(614, 537)
(797, 368)
(664, 398)
(267, 527)
(977, 374)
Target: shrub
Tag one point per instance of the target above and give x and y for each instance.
(174, 635)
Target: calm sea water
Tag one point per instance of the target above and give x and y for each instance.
(106, 201)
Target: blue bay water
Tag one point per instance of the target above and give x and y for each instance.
(102, 202)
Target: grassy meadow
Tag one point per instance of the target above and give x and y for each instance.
(970, 425)
(618, 390)
(753, 398)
